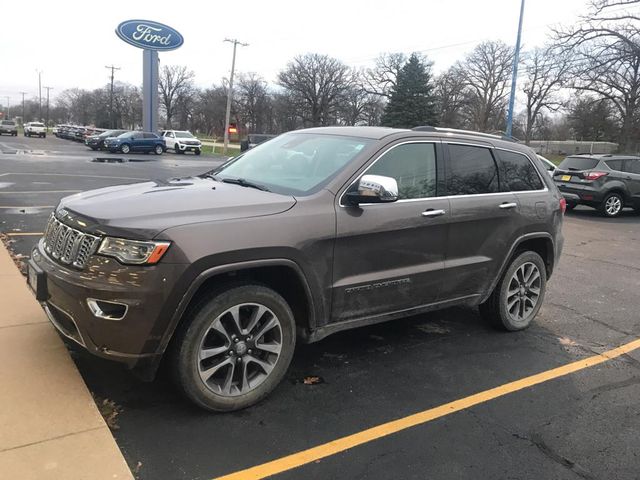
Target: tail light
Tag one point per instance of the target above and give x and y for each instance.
(563, 205)
(591, 176)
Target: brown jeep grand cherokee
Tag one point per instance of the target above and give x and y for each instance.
(308, 234)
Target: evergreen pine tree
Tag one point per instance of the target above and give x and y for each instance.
(412, 102)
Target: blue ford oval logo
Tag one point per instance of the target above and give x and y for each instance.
(149, 35)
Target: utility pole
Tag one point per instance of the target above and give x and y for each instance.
(113, 68)
(23, 94)
(8, 107)
(46, 124)
(230, 92)
(40, 94)
(514, 75)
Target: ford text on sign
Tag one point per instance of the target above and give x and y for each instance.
(149, 35)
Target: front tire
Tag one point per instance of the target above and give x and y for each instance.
(197, 151)
(125, 148)
(518, 296)
(612, 205)
(235, 348)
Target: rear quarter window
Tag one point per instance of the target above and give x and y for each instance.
(518, 173)
(578, 163)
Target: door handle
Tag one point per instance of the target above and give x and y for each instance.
(433, 213)
(507, 205)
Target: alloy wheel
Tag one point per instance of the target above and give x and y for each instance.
(239, 349)
(523, 291)
(613, 205)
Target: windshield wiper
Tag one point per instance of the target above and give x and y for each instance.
(210, 175)
(245, 183)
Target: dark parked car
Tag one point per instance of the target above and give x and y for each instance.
(253, 140)
(135, 142)
(96, 142)
(318, 231)
(606, 182)
(8, 126)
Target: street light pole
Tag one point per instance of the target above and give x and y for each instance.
(112, 68)
(514, 75)
(230, 92)
(8, 107)
(46, 124)
(23, 94)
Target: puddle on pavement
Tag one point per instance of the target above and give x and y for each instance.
(25, 210)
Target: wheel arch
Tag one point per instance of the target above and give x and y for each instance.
(540, 242)
(282, 275)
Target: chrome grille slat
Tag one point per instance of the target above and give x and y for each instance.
(68, 245)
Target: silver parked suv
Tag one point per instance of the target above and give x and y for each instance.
(311, 233)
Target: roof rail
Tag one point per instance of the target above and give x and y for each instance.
(429, 128)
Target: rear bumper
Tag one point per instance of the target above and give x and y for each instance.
(576, 193)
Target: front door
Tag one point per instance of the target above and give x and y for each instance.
(389, 257)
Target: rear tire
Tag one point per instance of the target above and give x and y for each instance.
(519, 294)
(234, 348)
(158, 149)
(612, 205)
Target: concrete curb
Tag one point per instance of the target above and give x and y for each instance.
(50, 427)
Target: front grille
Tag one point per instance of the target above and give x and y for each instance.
(68, 245)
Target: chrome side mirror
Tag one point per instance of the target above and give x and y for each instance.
(374, 189)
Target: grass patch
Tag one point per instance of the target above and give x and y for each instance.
(208, 149)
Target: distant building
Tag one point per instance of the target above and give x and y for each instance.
(570, 147)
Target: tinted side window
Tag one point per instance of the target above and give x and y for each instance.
(471, 170)
(614, 164)
(632, 166)
(518, 173)
(150, 135)
(413, 165)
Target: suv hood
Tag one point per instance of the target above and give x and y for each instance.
(142, 210)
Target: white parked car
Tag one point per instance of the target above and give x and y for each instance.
(549, 166)
(35, 128)
(181, 141)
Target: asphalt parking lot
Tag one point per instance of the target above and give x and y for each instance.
(582, 425)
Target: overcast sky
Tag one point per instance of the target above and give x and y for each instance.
(72, 41)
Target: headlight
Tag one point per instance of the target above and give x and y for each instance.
(132, 251)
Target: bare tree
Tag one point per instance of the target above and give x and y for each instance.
(380, 79)
(606, 49)
(450, 97)
(174, 82)
(316, 83)
(546, 74)
(253, 102)
(487, 71)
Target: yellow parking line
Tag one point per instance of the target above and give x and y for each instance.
(24, 234)
(345, 443)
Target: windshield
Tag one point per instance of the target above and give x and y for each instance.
(184, 135)
(294, 163)
(34, 124)
(578, 163)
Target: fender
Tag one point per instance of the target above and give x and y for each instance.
(233, 267)
(516, 243)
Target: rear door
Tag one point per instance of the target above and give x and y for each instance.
(631, 169)
(150, 141)
(389, 256)
(483, 222)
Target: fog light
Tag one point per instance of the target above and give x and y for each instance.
(107, 310)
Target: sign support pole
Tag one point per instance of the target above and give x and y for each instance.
(150, 90)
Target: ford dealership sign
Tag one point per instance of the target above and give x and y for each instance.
(149, 35)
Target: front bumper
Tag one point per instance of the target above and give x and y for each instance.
(134, 339)
(187, 148)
